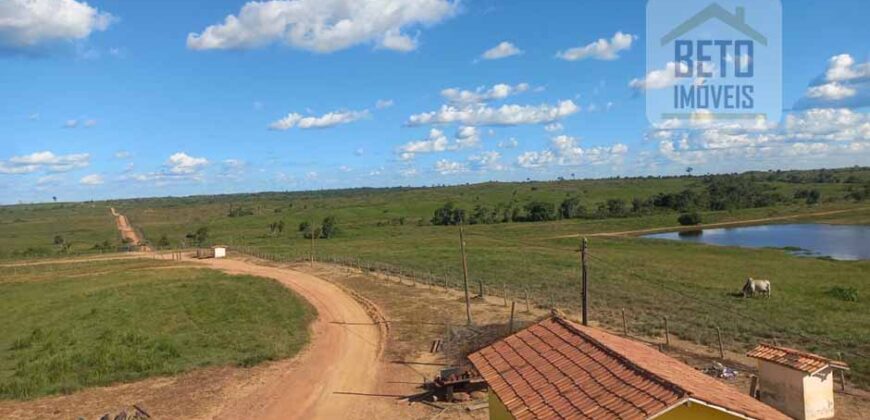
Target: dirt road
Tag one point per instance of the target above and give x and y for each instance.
(328, 379)
(127, 232)
(710, 225)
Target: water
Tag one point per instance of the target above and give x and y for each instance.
(840, 242)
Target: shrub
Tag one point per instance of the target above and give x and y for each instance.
(848, 294)
(690, 219)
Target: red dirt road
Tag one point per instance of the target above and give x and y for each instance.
(330, 378)
(127, 232)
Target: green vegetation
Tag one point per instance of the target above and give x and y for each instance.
(68, 326)
(56, 229)
(516, 235)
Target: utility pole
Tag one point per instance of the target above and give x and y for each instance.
(465, 275)
(585, 272)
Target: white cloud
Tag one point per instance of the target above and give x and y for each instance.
(842, 68)
(70, 123)
(122, 154)
(503, 115)
(359, 151)
(565, 151)
(183, 164)
(659, 79)
(29, 23)
(509, 143)
(384, 103)
(324, 25)
(437, 141)
(92, 179)
(488, 160)
(550, 128)
(811, 134)
(327, 120)
(602, 49)
(502, 50)
(833, 91)
(845, 84)
(482, 94)
(44, 161)
(447, 167)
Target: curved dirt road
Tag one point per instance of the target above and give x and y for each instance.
(329, 379)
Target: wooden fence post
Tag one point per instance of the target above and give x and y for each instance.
(667, 334)
(842, 374)
(624, 324)
(528, 303)
(504, 291)
(719, 337)
(511, 328)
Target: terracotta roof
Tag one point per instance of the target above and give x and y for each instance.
(795, 359)
(558, 369)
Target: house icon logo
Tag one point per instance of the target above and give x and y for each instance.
(720, 61)
(715, 11)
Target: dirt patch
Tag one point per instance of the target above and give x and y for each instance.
(128, 234)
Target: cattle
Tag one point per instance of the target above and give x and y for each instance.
(753, 287)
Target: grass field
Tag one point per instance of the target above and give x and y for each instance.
(68, 326)
(29, 230)
(691, 284)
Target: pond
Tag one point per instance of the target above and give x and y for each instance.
(840, 242)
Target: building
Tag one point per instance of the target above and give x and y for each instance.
(797, 383)
(559, 369)
(220, 251)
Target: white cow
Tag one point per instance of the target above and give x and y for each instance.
(752, 286)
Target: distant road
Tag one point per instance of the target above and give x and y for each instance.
(127, 232)
(709, 225)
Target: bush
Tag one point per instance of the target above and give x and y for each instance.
(848, 294)
(448, 214)
(690, 219)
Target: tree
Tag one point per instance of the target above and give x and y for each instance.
(163, 242)
(616, 207)
(571, 208)
(689, 219)
(540, 211)
(448, 214)
(58, 240)
(328, 229)
(200, 237)
(305, 226)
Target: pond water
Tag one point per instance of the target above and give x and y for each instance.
(841, 242)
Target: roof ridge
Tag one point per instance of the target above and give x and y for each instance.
(646, 372)
(799, 352)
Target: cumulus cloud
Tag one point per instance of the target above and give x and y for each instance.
(811, 134)
(550, 128)
(183, 164)
(466, 137)
(602, 49)
(483, 94)
(566, 151)
(31, 23)
(92, 179)
(330, 119)
(845, 83)
(659, 79)
(504, 115)
(44, 161)
(487, 161)
(448, 167)
(502, 50)
(324, 25)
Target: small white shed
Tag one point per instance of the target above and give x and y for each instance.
(797, 383)
(220, 251)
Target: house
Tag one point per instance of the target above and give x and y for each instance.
(559, 369)
(219, 251)
(799, 384)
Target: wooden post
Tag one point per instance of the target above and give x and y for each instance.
(719, 336)
(585, 281)
(311, 262)
(465, 276)
(513, 306)
(842, 375)
(667, 334)
(528, 303)
(504, 291)
(753, 386)
(624, 324)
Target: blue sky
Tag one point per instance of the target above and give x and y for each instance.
(135, 98)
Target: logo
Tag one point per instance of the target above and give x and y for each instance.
(717, 61)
